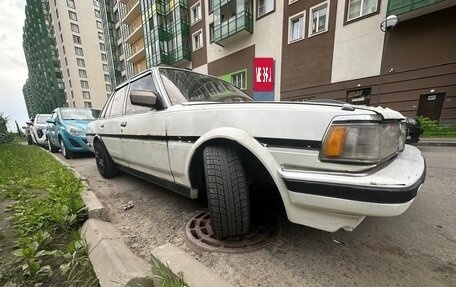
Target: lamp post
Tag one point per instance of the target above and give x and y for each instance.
(385, 26)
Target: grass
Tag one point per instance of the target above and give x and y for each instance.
(165, 276)
(434, 129)
(46, 213)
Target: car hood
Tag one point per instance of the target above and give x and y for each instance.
(385, 113)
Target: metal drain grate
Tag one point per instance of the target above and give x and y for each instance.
(200, 237)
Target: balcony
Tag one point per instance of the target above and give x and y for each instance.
(407, 9)
(233, 20)
(133, 11)
(137, 56)
(177, 56)
(135, 34)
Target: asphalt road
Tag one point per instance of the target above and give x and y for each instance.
(417, 248)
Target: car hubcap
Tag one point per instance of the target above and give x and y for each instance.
(63, 147)
(99, 158)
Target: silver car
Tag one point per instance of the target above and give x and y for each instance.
(330, 164)
(38, 129)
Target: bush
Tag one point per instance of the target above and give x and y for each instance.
(5, 136)
(432, 128)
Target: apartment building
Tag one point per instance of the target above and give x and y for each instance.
(82, 52)
(318, 49)
(44, 89)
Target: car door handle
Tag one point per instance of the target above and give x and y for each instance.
(123, 124)
(101, 125)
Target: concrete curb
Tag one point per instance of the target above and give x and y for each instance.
(436, 143)
(112, 260)
(180, 262)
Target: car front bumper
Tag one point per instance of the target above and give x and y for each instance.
(387, 190)
(76, 143)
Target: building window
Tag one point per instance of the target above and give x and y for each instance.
(72, 15)
(264, 7)
(70, 3)
(100, 36)
(359, 8)
(74, 28)
(96, 3)
(99, 25)
(196, 13)
(60, 26)
(82, 73)
(108, 88)
(210, 6)
(102, 47)
(77, 39)
(80, 62)
(78, 51)
(84, 84)
(296, 27)
(97, 13)
(106, 77)
(318, 19)
(88, 105)
(86, 95)
(197, 40)
(238, 80)
(103, 57)
(292, 1)
(69, 82)
(211, 32)
(105, 68)
(63, 48)
(72, 95)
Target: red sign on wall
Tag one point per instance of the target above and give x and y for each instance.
(263, 74)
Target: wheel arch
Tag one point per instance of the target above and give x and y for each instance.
(241, 140)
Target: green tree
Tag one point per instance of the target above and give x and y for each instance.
(5, 136)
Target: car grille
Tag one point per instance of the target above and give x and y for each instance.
(74, 143)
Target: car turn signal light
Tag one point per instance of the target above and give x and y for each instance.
(336, 141)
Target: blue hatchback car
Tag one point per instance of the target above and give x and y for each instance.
(66, 130)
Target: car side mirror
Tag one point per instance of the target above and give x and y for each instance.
(50, 121)
(29, 123)
(143, 98)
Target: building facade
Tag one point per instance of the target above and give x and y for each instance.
(44, 88)
(82, 52)
(320, 49)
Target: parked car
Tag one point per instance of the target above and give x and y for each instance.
(414, 130)
(66, 130)
(332, 164)
(38, 129)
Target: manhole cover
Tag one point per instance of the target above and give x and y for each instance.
(199, 236)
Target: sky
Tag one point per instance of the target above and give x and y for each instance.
(13, 68)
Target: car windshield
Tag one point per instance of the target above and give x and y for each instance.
(77, 114)
(185, 86)
(41, 119)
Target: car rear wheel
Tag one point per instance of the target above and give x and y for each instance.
(29, 139)
(106, 166)
(66, 153)
(227, 191)
(51, 147)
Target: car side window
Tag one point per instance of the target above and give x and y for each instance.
(143, 84)
(116, 105)
(55, 116)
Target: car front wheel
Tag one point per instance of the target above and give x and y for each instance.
(227, 191)
(106, 166)
(51, 147)
(66, 153)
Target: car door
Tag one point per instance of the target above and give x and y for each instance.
(144, 144)
(109, 128)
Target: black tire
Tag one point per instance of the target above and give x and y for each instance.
(227, 191)
(66, 153)
(29, 139)
(51, 147)
(106, 166)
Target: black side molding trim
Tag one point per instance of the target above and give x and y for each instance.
(357, 193)
(290, 143)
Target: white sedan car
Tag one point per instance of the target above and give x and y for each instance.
(38, 129)
(331, 164)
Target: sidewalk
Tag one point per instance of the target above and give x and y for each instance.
(436, 142)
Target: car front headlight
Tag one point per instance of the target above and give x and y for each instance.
(412, 121)
(362, 142)
(74, 130)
